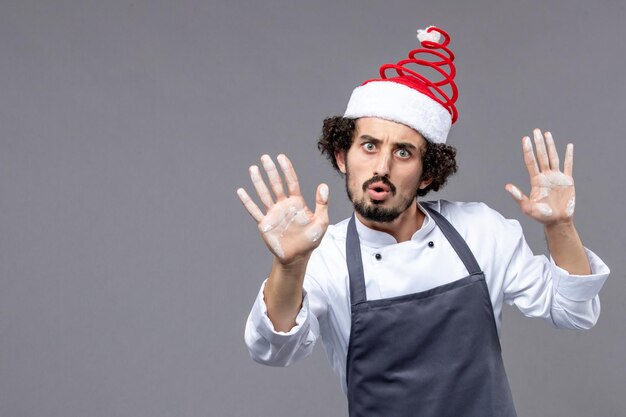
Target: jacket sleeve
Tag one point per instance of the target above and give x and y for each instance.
(276, 348)
(539, 288)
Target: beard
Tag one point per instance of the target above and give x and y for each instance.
(373, 210)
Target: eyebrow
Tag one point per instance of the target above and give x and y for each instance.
(372, 139)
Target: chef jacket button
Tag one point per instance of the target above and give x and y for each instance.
(431, 244)
(378, 256)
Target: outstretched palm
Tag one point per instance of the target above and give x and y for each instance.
(289, 228)
(552, 194)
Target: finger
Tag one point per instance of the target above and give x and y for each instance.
(290, 175)
(260, 187)
(252, 208)
(272, 173)
(568, 165)
(552, 153)
(529, 157)
(542, 153)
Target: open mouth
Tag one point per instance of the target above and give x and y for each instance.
(379, 188)
(378, 191)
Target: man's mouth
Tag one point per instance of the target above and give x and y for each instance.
(378, 191)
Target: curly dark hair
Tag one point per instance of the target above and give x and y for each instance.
(438, 159)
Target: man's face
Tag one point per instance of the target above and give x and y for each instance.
(383, 168)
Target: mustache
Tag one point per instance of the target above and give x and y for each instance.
(378, 178)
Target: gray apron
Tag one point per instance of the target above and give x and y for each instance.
(434, 353)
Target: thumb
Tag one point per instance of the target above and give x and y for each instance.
(320, 220)
(321, 203)
(519, 197)
(515, 192)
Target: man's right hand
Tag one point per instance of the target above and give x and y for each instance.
(289, 228)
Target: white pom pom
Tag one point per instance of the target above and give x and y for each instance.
(433, 36)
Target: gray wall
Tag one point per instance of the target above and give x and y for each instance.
(128, 267)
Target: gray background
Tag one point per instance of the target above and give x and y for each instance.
(128, 267)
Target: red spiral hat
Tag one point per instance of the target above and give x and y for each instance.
(409, 97)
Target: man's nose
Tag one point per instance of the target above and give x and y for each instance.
(383, 165)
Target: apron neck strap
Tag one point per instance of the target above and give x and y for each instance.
(355, 264)
(455, 239)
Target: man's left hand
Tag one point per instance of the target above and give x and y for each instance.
(552, 194)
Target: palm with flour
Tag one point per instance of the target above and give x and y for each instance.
(289, 228)
(552, 194)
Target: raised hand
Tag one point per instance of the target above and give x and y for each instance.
(289, 229)
(552, 194)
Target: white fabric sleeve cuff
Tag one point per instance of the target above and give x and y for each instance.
(261, 321)
(581, 287)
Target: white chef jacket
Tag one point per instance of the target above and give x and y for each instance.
(513, 275)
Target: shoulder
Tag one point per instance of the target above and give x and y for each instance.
(461, 209)
(327, 268)
(472, 216)
(492, 238)
(332, 247)
(334, 237)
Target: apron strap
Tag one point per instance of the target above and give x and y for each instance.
(455, 239)
(355, 264)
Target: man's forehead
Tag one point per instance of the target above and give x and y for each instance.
(383, 129)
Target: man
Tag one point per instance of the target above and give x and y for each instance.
(407, 295)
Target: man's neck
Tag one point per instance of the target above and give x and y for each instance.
(402, 228)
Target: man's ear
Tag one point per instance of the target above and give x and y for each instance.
(425, 183)
(340, 158)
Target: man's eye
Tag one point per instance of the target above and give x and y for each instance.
(369, 147)
(403, 153)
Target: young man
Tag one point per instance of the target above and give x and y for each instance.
(407, 296)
